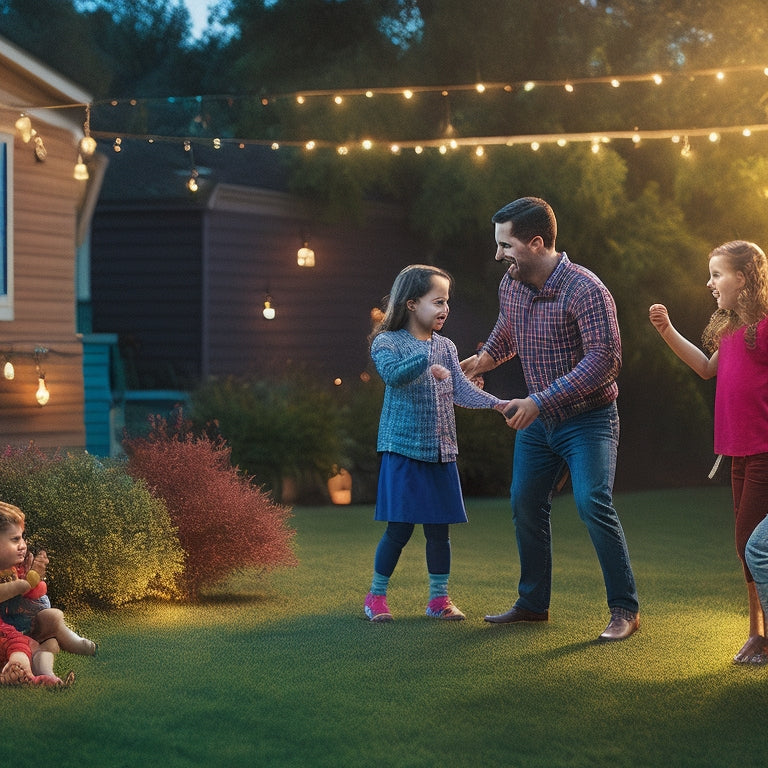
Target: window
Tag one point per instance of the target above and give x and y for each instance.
(6, 227)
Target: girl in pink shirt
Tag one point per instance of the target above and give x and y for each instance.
(736, 337)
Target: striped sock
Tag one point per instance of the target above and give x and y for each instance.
(379, 584)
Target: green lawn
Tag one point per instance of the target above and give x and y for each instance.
(285, 671)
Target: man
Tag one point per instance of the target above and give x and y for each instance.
(560, 320)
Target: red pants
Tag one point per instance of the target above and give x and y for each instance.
(749, 480)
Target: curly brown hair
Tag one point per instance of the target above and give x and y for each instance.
(752, 303)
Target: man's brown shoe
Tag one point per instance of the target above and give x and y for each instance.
(623, 623)
(516, 614)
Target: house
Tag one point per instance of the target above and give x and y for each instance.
(182, 277)
(44, 224)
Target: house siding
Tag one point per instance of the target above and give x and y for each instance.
(146, 287)
(322, 313)
(45, 198)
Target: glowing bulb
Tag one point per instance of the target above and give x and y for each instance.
(535, 146)
(480, 88)
(367, 144)
(8, 370)
(615, 83)
(42, 395)
(658, 79)
(408, 94)
(568, 87)
(87, 146)
(269, 310)
(529, 86)
(24, 127)
(81, 169)
(714, 136)
(310, 145)
(305, 256)
(479, 151)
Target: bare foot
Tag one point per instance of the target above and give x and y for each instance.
(754, 651)
(15, 674)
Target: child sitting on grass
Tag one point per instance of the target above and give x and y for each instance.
(16, 656)
(24, 602)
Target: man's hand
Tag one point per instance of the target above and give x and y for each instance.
(523, 413)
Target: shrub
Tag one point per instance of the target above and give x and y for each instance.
(225, 522)
(109, 540)
(276, 429)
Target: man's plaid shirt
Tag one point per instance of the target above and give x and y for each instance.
(566, 336)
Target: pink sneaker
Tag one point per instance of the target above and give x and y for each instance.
(443, 608)
(376, 608)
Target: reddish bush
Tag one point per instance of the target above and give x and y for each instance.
(225, 522)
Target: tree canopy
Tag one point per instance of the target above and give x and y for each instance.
(643, 214)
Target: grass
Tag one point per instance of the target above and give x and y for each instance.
(285, 671)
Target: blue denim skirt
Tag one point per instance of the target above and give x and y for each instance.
(412, 491)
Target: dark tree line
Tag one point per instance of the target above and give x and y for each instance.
(641, 215)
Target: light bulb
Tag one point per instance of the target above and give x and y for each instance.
(24, 127)
(8, 370)
(81, 169)
(305, 257)
(87, 146)
(42, 395)
(269, 310)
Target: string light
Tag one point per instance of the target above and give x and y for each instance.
(81, 169)
(479, 143)
(87, 143)
(24, 127)
(42, 395)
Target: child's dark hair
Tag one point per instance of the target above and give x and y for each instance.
(10, 515)
(752, 303)
(413, 282)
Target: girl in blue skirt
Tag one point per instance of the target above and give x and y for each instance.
(418, 478)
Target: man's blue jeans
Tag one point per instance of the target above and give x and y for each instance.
(587, 444)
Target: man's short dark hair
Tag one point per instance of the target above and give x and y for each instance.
(530, 216)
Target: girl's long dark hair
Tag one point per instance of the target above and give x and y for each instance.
(413, 282)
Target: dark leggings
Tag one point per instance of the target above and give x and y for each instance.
(749, 480)
(397, 535)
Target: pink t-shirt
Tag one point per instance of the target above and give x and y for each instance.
(741, 397)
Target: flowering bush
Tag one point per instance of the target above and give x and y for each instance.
(225, 522)
(110, 541)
